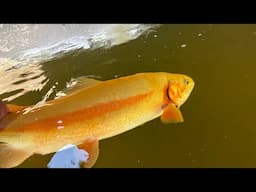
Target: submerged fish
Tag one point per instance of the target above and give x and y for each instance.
(93, 110)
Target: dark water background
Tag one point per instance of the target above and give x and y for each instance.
(219, 128)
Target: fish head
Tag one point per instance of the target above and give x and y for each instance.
(179, 88)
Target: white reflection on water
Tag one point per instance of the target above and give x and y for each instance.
(33, 43)
(26, 78)
(24, 46)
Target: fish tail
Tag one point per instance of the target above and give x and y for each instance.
(11, 156)
(13, 150)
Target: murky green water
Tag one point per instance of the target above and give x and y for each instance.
(219, 128)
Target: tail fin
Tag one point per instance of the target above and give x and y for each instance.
(12, 157)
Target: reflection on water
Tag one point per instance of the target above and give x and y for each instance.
(30, 43)
(24, 46)
(15, 82)
(219, 128)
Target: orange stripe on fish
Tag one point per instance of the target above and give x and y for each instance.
(87, 113)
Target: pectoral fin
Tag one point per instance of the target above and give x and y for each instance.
(92, 147)
(172, 114)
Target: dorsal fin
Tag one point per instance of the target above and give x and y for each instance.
(78, 84)
(15, 108)
(3, 110)
(8, 113)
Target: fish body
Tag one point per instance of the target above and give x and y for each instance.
(102, 110)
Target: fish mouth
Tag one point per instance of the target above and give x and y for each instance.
(187, 94)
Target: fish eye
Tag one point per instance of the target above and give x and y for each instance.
(186, 81)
